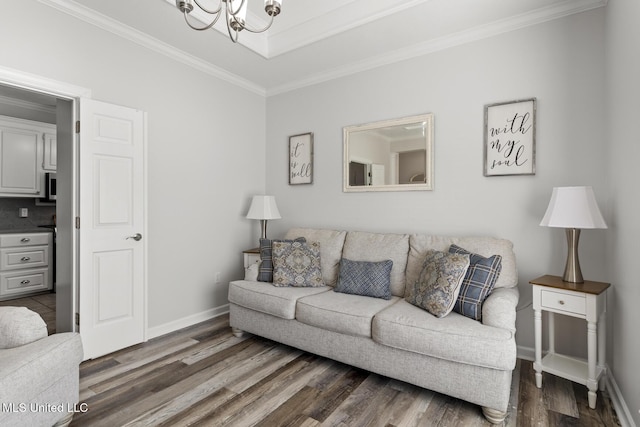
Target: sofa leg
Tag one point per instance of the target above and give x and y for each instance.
(493, 415)
(237, 332)
(65, 421)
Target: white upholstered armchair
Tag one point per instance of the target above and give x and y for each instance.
(39, 374)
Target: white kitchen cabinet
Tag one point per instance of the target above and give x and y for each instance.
(50, 163)
(25, 263)
(22, 144)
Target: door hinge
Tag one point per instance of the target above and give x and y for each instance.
(78, 319)
(78, 126)
(78, 222)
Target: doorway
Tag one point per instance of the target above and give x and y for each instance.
(102, 266)
(57, 308)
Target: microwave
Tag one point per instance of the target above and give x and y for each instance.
(51, 190)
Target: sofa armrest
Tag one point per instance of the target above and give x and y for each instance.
(28, 369)
(499, 309)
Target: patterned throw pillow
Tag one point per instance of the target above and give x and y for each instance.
(478, 282)
(438, 285)
(370, 279)
(265, 272)
(296, 264)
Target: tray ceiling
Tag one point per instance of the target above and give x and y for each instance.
(312, 40)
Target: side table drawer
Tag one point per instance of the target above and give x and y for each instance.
(251, 256)
(560, 301)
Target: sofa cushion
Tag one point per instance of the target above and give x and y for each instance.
(363, 246)
(485, 246)
(477, 284)
(343, 313)
(296, 264)
(438, 286)
(455, 337)
(369, 279)
(265, 272)
(265, 298)
(20, 326)
(331, 242)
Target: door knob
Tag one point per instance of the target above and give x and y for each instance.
(137, 237)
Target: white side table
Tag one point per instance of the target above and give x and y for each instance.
(251, 256)
(583, 300)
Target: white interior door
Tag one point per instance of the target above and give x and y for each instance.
(377, 174)
(112, 260)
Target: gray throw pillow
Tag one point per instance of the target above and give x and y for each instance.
(438, 285)
(265, 272)
(477, 284)
(296, 264)
(370, 279)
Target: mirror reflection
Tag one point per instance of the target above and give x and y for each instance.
(391, 155)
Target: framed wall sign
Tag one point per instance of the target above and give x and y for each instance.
(301, 159)
(510, 138)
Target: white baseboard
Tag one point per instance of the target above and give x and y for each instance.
(622, 410)
(619, 404)
(526, 353)
(175, 325)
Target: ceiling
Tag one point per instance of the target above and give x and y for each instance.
(312, 40)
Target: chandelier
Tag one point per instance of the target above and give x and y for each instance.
(235, 12)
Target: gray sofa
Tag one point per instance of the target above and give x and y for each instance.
(454, 355)
(39, 374)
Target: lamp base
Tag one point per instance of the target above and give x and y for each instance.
(263, 226)
(572, 271)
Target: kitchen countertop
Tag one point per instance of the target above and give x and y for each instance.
(25, 230)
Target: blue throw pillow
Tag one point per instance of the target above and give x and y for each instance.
(477, 283)
(265, 272)
(371, 279)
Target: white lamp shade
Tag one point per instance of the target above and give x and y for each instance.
(573, 207)
(263, 207)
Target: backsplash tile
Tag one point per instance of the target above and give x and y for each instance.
(10, 218)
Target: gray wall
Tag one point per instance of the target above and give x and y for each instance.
(561, 63)
(621, 139)
(195, 144)
(196, 213)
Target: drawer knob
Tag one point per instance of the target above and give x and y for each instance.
(25, 258)
(561, 302)
(25, 240)
(25, 282)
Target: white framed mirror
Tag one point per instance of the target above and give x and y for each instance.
(390, 155)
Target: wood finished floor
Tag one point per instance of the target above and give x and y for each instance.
(204, 376)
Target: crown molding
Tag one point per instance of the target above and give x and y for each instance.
(492, 29)
(33, 106)
(549, 13)
(106, 23)
(346, 17)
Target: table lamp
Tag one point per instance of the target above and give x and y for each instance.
(263, 208)
(573, 208)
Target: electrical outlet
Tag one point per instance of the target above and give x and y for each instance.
(23, 212)
(218, 277)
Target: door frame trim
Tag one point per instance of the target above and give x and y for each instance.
(24, 80)
(72, 93)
